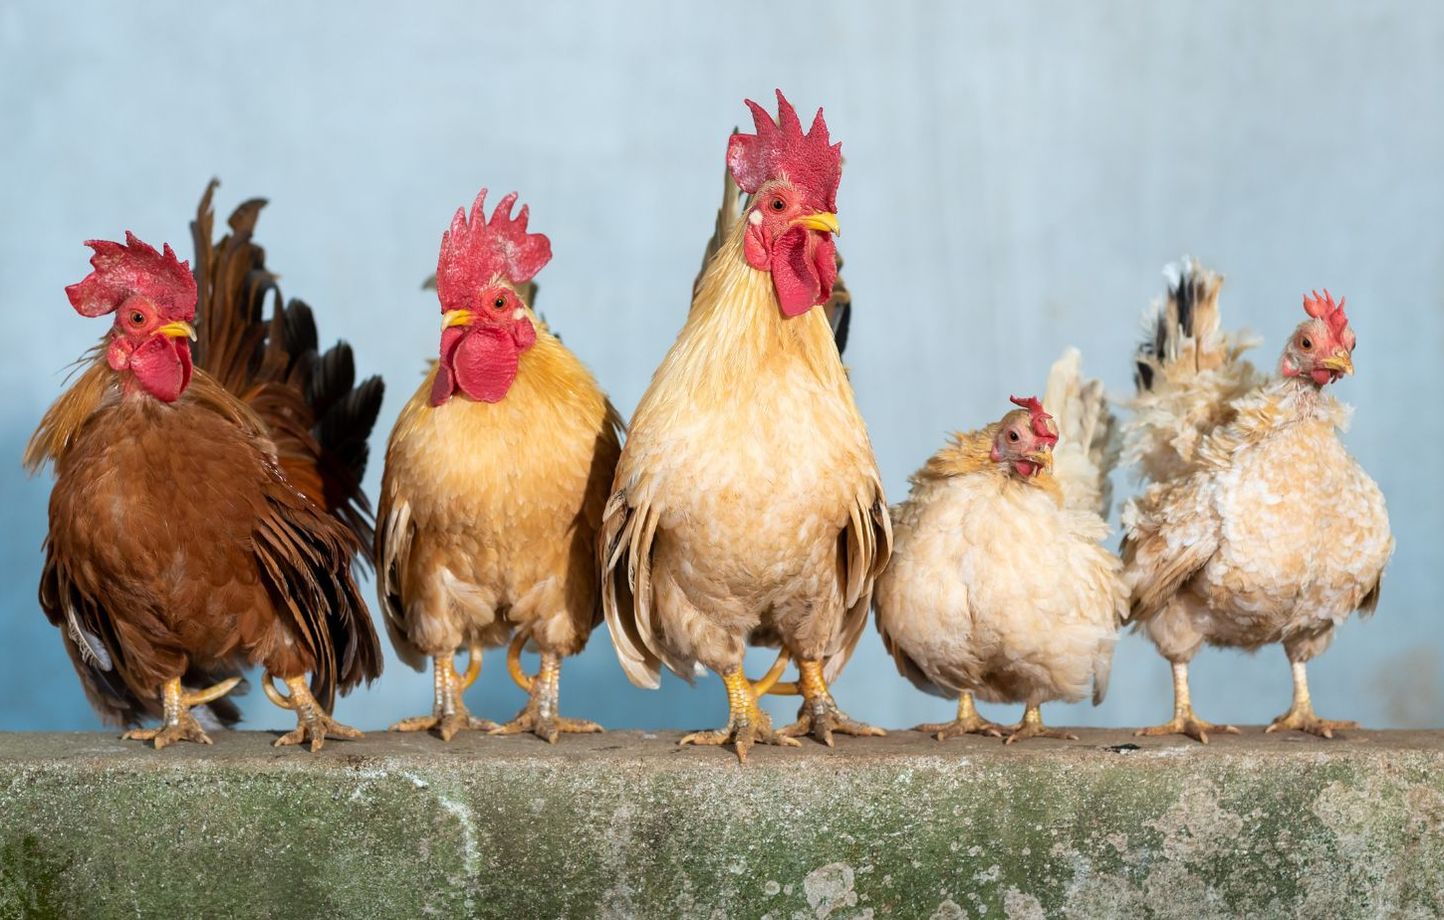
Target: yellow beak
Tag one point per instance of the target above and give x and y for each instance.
(821, 221)
(1339, 362)
(455, 318)
(1044, 458)
(178, 330)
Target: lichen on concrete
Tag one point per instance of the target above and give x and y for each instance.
(619, 825)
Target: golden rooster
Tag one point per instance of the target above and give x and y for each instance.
(1259, 527)
(496, 476)
(998, 585)
(747, 504)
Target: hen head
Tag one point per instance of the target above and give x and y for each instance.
(1322, 347)
(485, 324)
(153, 297)
(792, 178)
(1025, 439)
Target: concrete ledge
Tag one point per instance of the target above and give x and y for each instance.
(625, 824)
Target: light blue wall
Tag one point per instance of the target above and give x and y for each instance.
(1016, 177)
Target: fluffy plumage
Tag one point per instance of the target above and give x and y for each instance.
(998, 585)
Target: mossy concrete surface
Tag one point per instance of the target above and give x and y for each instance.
(626, 824)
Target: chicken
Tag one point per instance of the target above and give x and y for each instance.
(496, 476)
(205, 518)
(1259, 527)
(747, 504)
(998, 586)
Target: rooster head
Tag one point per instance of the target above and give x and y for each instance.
(1025, 439)
(153, 297)
(1322, 347)
(792, 178)
(485, 324)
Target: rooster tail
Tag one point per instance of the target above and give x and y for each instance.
(1187, 373)
(316, 413)
(1088, 437)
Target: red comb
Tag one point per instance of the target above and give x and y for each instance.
(780, 149)
(475, 251)
(1325, 309)
(123, 270)
(1040, 419)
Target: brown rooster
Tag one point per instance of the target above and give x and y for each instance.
(496, 476)
(747, 504)
(1259, 527)
(206, 518)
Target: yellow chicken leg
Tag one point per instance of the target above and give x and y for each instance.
(539, 716)
(1032, 727)
(177, 723)
(819, 715)
(1301, 717)
(746, 723)
(448, 712)
(1184, 722)
(312, 722)
(968, 722)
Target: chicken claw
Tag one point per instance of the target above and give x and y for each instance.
(539, 716)
(968, 722)
(746, 723)
(313, 723)
(448, 714)
(1301, 717)
(819, 715)
(177, 723)
(1184, 721)
(1032, 727)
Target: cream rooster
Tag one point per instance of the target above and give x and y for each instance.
(747, 504)
(998, 585)
(1259, 527)
(496, 476)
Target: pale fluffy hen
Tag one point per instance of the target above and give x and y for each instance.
(1270, 533)
(747, 504)
(998, 585)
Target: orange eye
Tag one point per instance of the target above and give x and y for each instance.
(499, 303)
(137, 318)
(778, 204)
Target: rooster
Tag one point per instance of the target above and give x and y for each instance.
(206, 513)
(1258, 526)
(496, 476)
(747, 504)
(998, 585)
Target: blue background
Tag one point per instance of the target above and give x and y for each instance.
(1017, 175)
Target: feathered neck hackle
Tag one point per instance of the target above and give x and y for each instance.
(970, 453)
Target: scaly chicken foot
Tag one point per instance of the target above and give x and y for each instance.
(968, 722)
(746, 723)
(449, 714)
(177, 723)
(819, 716)
(1032, 727)
(313, 723)
(1184, 721)
(539, 716)
(1301, 716)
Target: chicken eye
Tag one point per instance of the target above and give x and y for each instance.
(778, 204)
(499, 303)
(1012, 436)
(137, 318)
(1306, 343)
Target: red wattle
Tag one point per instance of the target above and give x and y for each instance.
(484, 363)
(162, 367)
(804, 267)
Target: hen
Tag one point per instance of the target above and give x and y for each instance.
(206, 517)
(1259, 527)
(496, 476)
(747, 504)
(998, 585)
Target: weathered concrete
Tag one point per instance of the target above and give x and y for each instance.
(625, 824)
